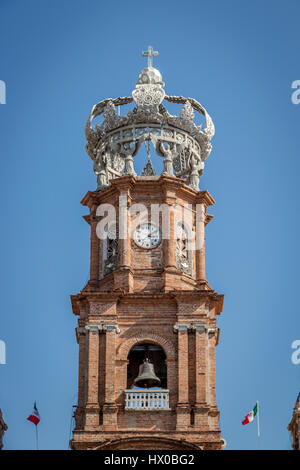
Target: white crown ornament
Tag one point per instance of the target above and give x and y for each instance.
(114, 144)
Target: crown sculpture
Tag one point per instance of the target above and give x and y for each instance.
(182, 144)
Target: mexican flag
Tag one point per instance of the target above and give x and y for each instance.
(35, 416)
(250, 416)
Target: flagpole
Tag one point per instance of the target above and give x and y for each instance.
(258, 427)
(37, 438)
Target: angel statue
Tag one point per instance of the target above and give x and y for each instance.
(100, 167)
(167, 151)
(129, 152)
(196, 167)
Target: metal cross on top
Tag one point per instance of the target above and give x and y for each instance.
(150, 53)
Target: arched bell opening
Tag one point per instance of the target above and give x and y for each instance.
(146, 367)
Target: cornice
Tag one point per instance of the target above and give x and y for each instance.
(165, 183)
(184, 296)
(208, 218)
(205, 198)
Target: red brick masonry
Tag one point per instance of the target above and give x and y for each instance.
(147, 299)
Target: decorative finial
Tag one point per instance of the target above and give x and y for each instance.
(148, 170)
(150, 53)
(148, 149)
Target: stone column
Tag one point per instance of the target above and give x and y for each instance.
(92, 405)
(183, 406)
(110, 408)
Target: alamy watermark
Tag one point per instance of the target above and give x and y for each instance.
(295, 358)
(2, 352)
(296, 94)
(2, 92)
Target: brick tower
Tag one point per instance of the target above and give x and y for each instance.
(147, 310)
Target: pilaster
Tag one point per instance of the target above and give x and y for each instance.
(110, 408)
(123, 278)
(201, 360)
(200, 244)
(92, 405)
(183, 406)
(169, 243)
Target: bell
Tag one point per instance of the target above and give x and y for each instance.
(146, 377)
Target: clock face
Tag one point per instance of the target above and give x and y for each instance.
(147, 236)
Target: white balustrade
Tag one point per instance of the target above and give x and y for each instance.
(147, 399)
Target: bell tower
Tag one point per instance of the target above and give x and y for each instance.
(147, 328)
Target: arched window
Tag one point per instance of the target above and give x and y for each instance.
(155, 354)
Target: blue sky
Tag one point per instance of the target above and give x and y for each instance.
(239, 59)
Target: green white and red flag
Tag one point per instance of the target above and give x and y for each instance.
(250, 416)
(35, 416)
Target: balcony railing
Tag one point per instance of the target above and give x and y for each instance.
(147, 400)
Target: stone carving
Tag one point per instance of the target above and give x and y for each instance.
(196, 166)
(111, 119)
(200, 327)
(111, 256)
(181, 327)
(148, 170)
(186, 116)
(183, 255)
(183, 145)
(130, 151)
(148, 96)
(111, 263)
(168, 153)
(110, 327)
(100, 167)
(102, 327)
(149, 93)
